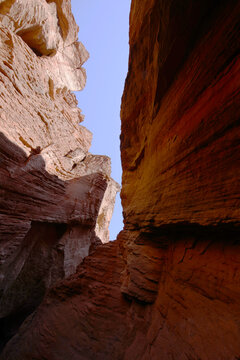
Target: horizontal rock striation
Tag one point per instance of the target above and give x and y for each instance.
(180, 114)
(169, 286)
(195, 314)
(54, 194)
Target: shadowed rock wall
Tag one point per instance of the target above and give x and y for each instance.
(180, 114)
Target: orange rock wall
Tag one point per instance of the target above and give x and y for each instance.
(180, 114)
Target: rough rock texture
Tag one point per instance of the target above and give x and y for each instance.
(54, 194)
(180, 114)
(169, 287)
(195, 315)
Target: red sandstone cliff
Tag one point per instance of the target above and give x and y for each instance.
(169, 287)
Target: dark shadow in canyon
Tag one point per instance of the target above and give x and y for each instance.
(198, 20)
(43, 265)
(37, 261)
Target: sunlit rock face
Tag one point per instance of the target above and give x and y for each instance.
(54, 194)
(169, 287)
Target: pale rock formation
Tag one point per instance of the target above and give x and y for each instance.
(105, 212)
(53, 192)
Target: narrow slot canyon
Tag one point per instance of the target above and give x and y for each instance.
(168, 287)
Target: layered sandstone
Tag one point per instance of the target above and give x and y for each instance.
(195, 314)
(180, 114)
(56, 199)
(169, 287)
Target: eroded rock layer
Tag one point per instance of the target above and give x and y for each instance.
(195, 314)
(180, 114)
(56, 199)
(169, 286)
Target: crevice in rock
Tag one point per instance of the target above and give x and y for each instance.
(62, 20)
(38, 264)
(32, 37)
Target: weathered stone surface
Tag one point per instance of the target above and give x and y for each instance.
(169, 287)
(49, 28)
(54, 194)
(180, 114)
(195, 314)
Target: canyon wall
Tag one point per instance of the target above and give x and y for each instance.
(56, 198)
(169, 286)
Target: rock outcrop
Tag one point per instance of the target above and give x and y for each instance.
(56, 199)
(169, 286)
(195, 314)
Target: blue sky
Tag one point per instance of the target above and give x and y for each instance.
(104, 26)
